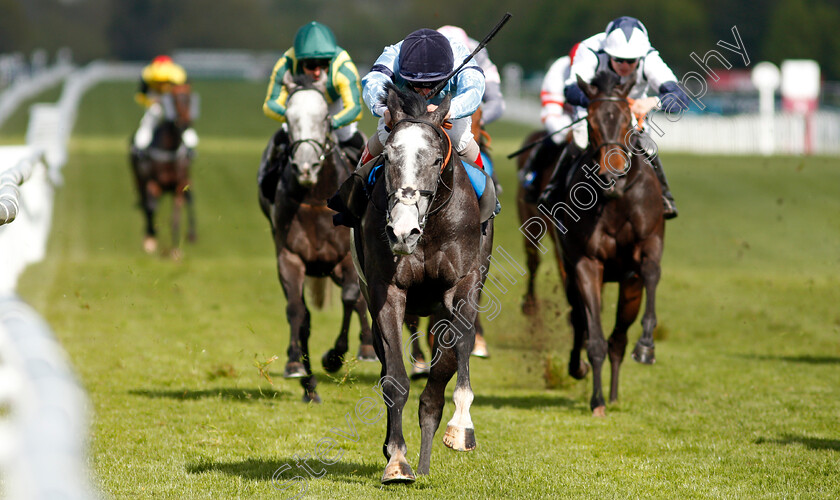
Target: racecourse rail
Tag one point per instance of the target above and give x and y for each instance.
(43, 430)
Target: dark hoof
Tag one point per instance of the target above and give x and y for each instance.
(644, 354)
(311, 397)
(529, 306)
(580, 371)
(366, 353)
(294, 369)
(332, 361)
(459, 438)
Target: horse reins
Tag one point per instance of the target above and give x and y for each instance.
(620, 145)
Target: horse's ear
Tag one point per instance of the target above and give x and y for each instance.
(624, 89)
(289, 82)
(393, 102)
(588, 90)
(438, 115)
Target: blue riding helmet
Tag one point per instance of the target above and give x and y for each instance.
(425, 56)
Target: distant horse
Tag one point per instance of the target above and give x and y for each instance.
(305, 240)
(527, 211)
(164, 167)
(421, 245)
(420, 367)
(614, 231)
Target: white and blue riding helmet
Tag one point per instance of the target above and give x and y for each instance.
(627, 38)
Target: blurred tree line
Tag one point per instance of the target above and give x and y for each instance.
(540, 31)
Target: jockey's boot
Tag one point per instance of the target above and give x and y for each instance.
(667, 197)
(271, 164)
(353, 147)
(351, 199)
(568, 157)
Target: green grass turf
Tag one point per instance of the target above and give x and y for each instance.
(743, 402)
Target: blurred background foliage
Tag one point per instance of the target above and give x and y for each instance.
(540, 31)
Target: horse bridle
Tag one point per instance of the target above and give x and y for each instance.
(612, 99)
(326, 147)
(431, 194)
(621, 145)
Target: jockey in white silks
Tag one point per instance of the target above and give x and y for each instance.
(624, 49)
(557, 116)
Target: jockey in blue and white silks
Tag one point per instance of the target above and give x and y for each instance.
(624, 49)
(418, 63)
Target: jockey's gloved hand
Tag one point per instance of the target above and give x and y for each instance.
(190, 138)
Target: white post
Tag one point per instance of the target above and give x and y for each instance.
(765, 76)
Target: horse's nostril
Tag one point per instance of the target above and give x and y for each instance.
(389, 231)
(414, 232)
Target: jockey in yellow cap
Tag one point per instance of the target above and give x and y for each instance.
(156, 80)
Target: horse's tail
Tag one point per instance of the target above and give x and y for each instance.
(318, 291)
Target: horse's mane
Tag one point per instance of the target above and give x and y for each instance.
(606, 81)
(412, 103)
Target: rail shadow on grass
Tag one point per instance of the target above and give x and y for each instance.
(228, 393)
(812, 443)
(804, 358)
(263, 469)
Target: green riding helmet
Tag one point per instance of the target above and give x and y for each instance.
(315, 41)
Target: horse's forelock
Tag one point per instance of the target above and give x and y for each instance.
(412, 103)
(606, 81)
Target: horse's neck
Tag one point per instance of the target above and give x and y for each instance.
(167, 136)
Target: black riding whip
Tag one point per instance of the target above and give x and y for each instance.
(437, 88)
(529, 146)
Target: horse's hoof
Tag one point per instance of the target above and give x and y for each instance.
(294, 369)
(580, 372)
(366, 353)
(599, 411)
(311, 397)
(480, 348)
(644, 354)
(459, 438)
(332, 361)
(176, 254)
(419, 369)
(150, 245)
(529, 306)
(398, 472)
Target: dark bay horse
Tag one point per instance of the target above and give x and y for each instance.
(164, 167)
(420, 247)
(613, 231)
(305, 240)
(529, 214)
